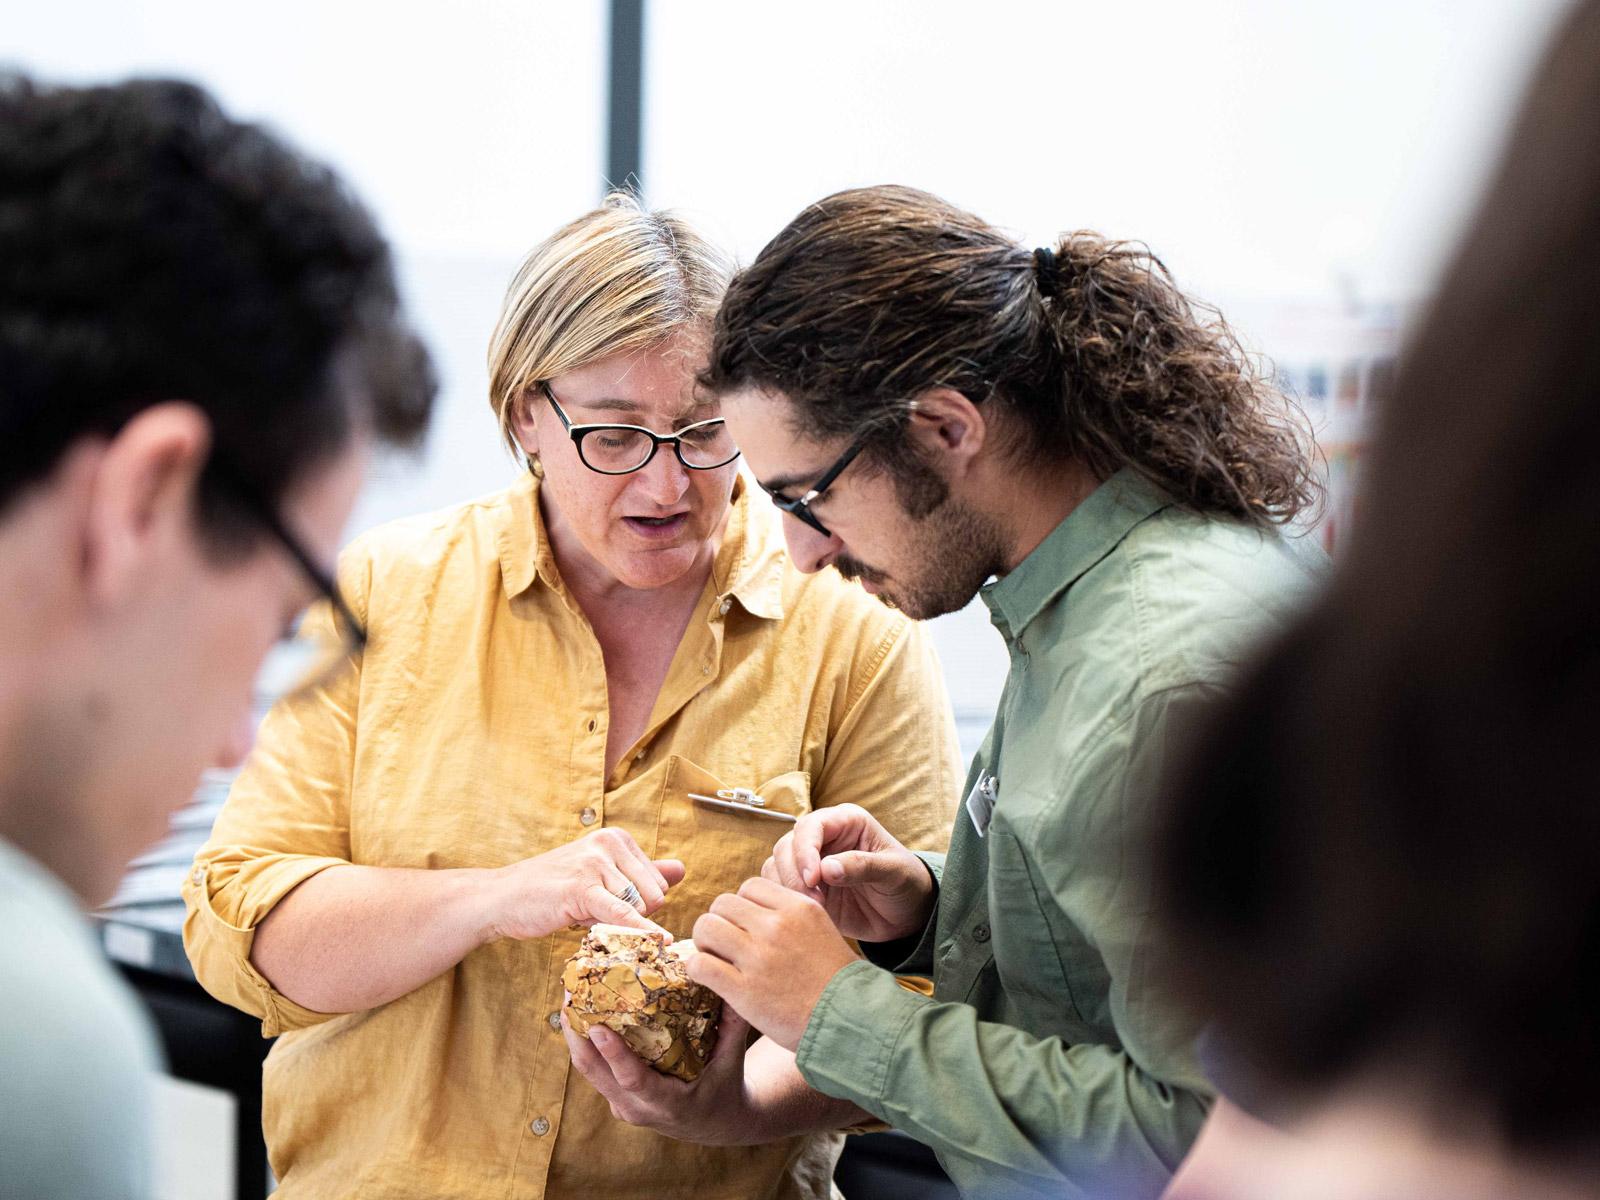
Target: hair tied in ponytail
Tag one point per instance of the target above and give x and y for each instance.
(1047, 267)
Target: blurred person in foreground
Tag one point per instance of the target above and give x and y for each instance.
(199, 339)
(1381, 878)
(934, 406)
(572, 657)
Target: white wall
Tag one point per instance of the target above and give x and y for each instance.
(467, 126)
(1266, 150)
(470, 129)
(1262, 147)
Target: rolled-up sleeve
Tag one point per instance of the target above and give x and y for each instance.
(285, 820)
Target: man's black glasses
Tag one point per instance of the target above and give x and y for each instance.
(800, 509)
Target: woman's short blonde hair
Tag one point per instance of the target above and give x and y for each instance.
(618, 278)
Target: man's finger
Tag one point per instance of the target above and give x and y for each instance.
(827, 831)
(710, 971)
(810, 832)
(716, 936)
(855, 868)
(736, 910)
(765, 894)
(787, 870)
(782, 860)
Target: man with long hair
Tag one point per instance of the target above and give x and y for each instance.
(934, 407)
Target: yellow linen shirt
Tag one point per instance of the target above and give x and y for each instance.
(474, 735)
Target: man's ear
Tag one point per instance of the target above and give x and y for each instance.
(523, 427)
(948, 429)
(141, 503)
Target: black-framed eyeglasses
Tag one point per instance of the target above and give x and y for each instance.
(311, 658)
(624, 449)
(800, 509)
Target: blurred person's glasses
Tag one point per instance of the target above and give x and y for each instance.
(800, 509)
(313, 656)
(624, 449)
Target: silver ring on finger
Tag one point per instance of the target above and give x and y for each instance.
(630, 896)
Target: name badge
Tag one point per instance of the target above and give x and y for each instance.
(980, 802)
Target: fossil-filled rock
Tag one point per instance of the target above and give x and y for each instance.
(632, 982)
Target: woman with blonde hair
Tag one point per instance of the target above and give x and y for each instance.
(552, 673)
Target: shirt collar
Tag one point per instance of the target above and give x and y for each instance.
(1087, 534)
(749, 565)
(751, 560)
(524, 548)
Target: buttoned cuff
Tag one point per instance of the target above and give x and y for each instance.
(850, 1040)
(912, 955)
(219, 950)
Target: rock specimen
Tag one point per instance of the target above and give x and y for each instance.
(633, 983)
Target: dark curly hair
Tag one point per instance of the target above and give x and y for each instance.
(152, 249)
(874, 295)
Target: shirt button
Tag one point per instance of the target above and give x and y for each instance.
(555, 1020)
(540, 1126)
(724, 607)
(706, 670)
(198, 875)
(588, 816)
(980, 933)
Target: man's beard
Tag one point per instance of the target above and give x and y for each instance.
(954, 550)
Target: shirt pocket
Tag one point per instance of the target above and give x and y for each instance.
(1043, 962)
(720, 848)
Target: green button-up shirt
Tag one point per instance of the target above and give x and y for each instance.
(1043, 1065)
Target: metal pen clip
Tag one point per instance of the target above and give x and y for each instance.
(743, 800)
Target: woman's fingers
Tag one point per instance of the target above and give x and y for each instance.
(671, 870)
(643, 882)
(622, 866)
(637, 856)
(605, 907)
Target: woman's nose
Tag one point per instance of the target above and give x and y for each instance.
(664, 479)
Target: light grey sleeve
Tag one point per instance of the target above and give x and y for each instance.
(77, 1062)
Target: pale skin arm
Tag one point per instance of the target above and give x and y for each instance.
(352, 938)
(786, 1104)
